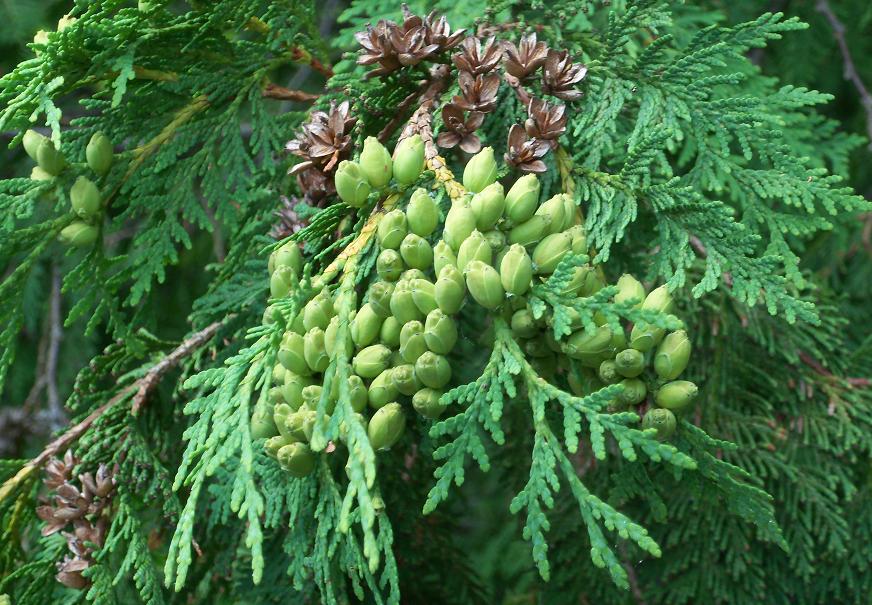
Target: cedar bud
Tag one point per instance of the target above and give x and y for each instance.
(629, 363)
(608, 373)
(85, 198)
(282, 412)
(579, 239)
(484, 285)
(672, 355)
(376, 163)
(262, 424)
(459, 224)
(555, 209)
(351, 184)
(550, 251)
(412, 341)
(440, 332)
(318, 311)
(274, 444)
(662, 420)
(409, 160)
(530, 231)
(389, 335)
(386, 426)
(381, 390)
(676, 395)
(416, 252)
(424, 295)
(450, 289)
(38, 174)
(297, 459)
(312, 395)
(474, 247)
(291, 354)
(584, 282)
(634, 391)
(366, 326)
(392, 229)
(496, 239)
(480, 171)
(422, 214)
(292, 389)
(571, 211)
(389, 265)
(280, 282)
(488, 205)
(49, 158)
(278, 373)
(523, 198)
(590, 348)
(314, 350)
(403, 304)
(78, 234)
(523, 324)
(433, 370)
(380, 297)
(275, 395)
(288, 255)
(426, 403)
(411, 275)
(371, 361)
(357, 393)
(405, 380)
(659, 300)
(443, 255)
(31, 141)
(630, 289)
(98, 153)
(516, 270)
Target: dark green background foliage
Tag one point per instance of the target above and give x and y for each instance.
(752, 117)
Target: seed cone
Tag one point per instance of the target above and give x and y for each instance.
(480, 171)
(386, 426)
(676, 395)
(409, 160)
(662, 420)
(474, 247)
(488, 205)
(672, 356)
(376, 163)
(484, 285)
(351, 184)
(422, 214)
(523, 198)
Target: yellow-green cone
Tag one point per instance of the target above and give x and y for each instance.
(78, 234)
(608, 373)
(31, 141)
(351, 184)
(662, 420)
(405, 380)
(292, 389)
(516, 270)
(676, 395)
(433, 370)
(409, 160)
(474, 247)
(523, 198)
(371, 361)
(488, 205)
(630, 289)
(590, 348)
(450, 290)
(403, 304)
(288, 255)
(318, 312)
(424, 295)
(426, 403)
(291, 354)
(98, 153)
(530, 231)
(484, 285)
(416, 252)
(634, 391)
(440, 332)
(314, 350)
(672, 356)
(49, 158)
(422, 214)
(555, 210)
(376, 163)
(386, 426)
(85, 198)
(297, 459)
(389, 335)
(366, 326)
(443, 255)
(412, 341)
(389, 265)
(523, 324)
(629, 363)
(480, 171)
(459, 224)
(392, 228)
(380, 298)
(550, 251)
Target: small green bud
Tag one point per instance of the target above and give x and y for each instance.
(292, 389)
(484, 285)
(584, 282)
(516, 270)
(403, 303)
(443, 255)
(676, 395)
(314, 350)
(287, 255)
(278, 374)
(38, 174)
(281, 281)
(386, 426)
(357, 393)
(672, 355)
(274, 444)
(422, 214)
(488, 206)
(424, 295)
(645, 337)
(85, 198)
(480, 171)
(496, 239)
(555, 210)
(474, 247)
(450, 290)
(409, 160)
(65, 21)
(31, 141)
(619, 340)
(98, 153)
(351, 184)
(530, 231)
(330, 336)
(392, 229)
(371, 361)
(376, 163)
(297, 325)
(405, 380)
(78, 234)
(365, 327)
(579, 239)
(608, 372)
(318, 311)
(380, 298)
(630, 289)
(282, 413)
(389, 335)
(274, 395)
(291, 354)
(433, 370)
(550, 251)
(49, 158)
(440, 332)
(523, 198)
(459, 224)
(634, 391)
(412, 341)
(411, 275)
(662, 420)
(389, 265)
(382, 390)
(297, 459)
(630, 363)
(590, 348)
(571, 211)
(523, 324)
(426, 402)
(659, 300)
(262, 424)
(312, 395)
(416, 252)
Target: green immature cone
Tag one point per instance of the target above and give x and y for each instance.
(484, 285)
(99, 153)
(488, 205)
(366, 326)
(297, 459)
(409, 160)
(584, 282)
(405, 380)
(312, 395)
(376, 163)
(403, 304)
(480, 171)
(318, 312)
(357, 393)
(629, 363)
(416, 252)
(262, 424)
(630, 289)
(389, 335)
(288, 255)
(523, 324)
(292, 389)
(49, 158)
(550, 251)
(331, 336)
(590, 348)
(392, 228)
(78, 234)
(382, 390)
(634, 391)
(579, 239)
(443, 255)
(422, 214)
(474, 247)
(281, 415)
(85, 198)
(433, 370)
(676, 395)
(314, 350)
(530, 231)
(424, 295)
(426, 403)
(281, 281)
(608, 372)
(274, 395)
(523, 198)
(555, 210)
(351, 184)
(662, 420)
(659, 300)
(31, 141)
(389, 265)
(496, 239)
(278, 374)
(371, 361)
(450, 290)
(386, 426)
(672, 356)
(440, 332)
(516, 270)
(380, 298)
(411, 275)
(459, 224)
(412, 341)
(274, 444)
(38, 174)
(571, 211)
(291, 354)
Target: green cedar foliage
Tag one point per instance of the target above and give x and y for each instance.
(693, 167)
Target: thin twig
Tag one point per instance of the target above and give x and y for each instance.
(57, 416)
(400, 112)
(850, 70)
(274, 91)
(820, 369)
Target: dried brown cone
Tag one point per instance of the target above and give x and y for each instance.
(525, 153)
(479, 92)
(378, 48)
(476, 59)
(561, 75)
(438, 31)
(525, 58)
(460, 130)
(288, 221)
(546, 121)
(324, 140)
(409, 41)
